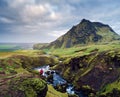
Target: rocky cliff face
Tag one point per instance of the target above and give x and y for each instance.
(93, 71)
(86, 32)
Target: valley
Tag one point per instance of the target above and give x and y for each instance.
(80, 66)
(84, 62)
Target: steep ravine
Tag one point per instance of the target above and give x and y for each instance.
(96, 74)
(92, 73)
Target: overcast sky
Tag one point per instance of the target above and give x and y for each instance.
(46, 20)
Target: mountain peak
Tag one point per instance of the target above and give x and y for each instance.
(86, 32)
(84, 20)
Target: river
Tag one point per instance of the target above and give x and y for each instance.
(58, 80)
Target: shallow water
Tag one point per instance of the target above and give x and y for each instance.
(70, 89)
(58, 80)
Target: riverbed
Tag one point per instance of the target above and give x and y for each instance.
(57, 79)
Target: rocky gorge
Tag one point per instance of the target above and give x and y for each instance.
(92, 73)
(89, 74)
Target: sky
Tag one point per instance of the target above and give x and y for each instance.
(42, 21)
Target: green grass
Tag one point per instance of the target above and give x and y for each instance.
(1, 69)
(21, 70)
(21, 52)
(84, 50)
(53, 93)
(108, 88)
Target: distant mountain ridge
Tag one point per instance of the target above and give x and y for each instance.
(86, 32)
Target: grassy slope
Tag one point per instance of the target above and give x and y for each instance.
(108, 88)
(68, 53)
(15, 66)
(11, 68)
(21, 52)
(84, 50)
(12, 61)
(53, 93)
(107, 37)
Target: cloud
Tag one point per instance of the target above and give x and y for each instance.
(19, 3)
(46, 20)
(32, 12)
(6, 20)
(58, 33)
(41, 13)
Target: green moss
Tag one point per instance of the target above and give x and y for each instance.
(1, 69)
(109, 88)
(31, 87)
(66, 61)
(86, 87)
(67, 73)
(53, 93)
(81, 50)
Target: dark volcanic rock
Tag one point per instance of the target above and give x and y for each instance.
(94, 70)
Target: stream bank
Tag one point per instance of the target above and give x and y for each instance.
(58, 82)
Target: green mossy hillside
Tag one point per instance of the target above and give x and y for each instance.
(22, 63)
(17, 77)
(84, 33)
(96, 70)
(23, 85)
(30, 87)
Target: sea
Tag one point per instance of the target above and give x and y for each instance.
(4, 47)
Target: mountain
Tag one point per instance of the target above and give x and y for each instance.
(39, 45)
(86, 32)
